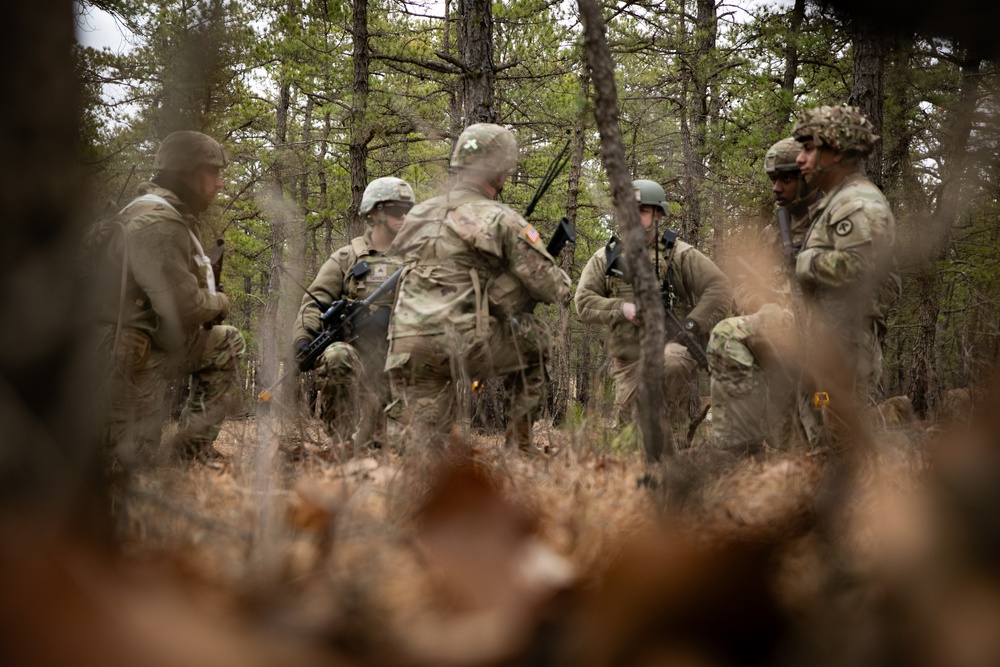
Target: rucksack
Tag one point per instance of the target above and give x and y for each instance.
(102, 264)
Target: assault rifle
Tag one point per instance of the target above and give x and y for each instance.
(682, 332)
(791, 252)
(337, 320)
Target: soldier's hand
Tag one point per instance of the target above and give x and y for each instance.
(300, 347)
(629, 312)
(223, 306)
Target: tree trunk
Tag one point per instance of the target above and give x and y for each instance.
(361, 131)
(50, 463)
(796, 16)
(479, 75)
(925, 388)
(562, 354)
(867, 88)
(657, 437)
(695, 73)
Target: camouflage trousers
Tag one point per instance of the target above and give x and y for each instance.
(352, 392)
(754, 381)
(431, 379)
(679, 370)
(847, 364)
(136, 383)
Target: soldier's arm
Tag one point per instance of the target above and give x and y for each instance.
(160, 257)
(593, 305)
(531, 263)
(855, 232)
(328, 286)
(710, 289)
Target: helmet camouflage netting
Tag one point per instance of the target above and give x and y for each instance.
(842, 128)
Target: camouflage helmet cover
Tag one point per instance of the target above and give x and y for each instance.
(650, 193)
(842, 128)
(186, 150)
(780, 158)
(387, 188)
(487, 148)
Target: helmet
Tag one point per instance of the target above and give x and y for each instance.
(780, 158)
(388, 188)
(841, 128)
(185, 150)
(487, 148)
(651, 193)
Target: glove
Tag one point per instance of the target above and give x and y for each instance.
(300, 347)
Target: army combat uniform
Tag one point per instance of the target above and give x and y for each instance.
(352, 388)
(700, 292)
(169, 298)
(472, 265)
(754, 358)
(846, 270)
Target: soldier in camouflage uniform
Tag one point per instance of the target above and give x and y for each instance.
(472, 267)
(352, 388)
(846, 266)
(701, 295)
(163, 324)
(752, 361)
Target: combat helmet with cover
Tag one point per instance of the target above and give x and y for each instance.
(485, 148)
(185, 150)
(841, 128)
(650, 193)
(386, 189)
(780, 158)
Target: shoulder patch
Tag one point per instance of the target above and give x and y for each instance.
(531, 234)
(844, 227)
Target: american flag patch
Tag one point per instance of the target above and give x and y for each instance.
(531, 233)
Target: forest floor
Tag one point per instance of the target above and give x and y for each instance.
(581, 551)
(883, 552)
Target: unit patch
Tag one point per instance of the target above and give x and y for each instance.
(844, 227)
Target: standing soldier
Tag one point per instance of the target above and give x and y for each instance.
(351, 384)
(697, 291)
(472, 267)
(846, 266)
(752, 357)
(165, 323)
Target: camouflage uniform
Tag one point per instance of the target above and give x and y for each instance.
(846, 266)
(472, 267)
(702, 294)
(752, 359)
(169, 298)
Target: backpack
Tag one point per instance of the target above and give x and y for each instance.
(102, 263)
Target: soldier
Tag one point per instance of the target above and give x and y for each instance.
(699, 293)
(752, 360)
(472, 267)
(846, 266)
(350, 380)
(165, 323)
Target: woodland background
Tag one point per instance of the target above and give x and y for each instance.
(312, 100)
(884, 554)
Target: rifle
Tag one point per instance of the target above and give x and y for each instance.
(791, 252)
(565, 233)
(336, 320)
(682, 332)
